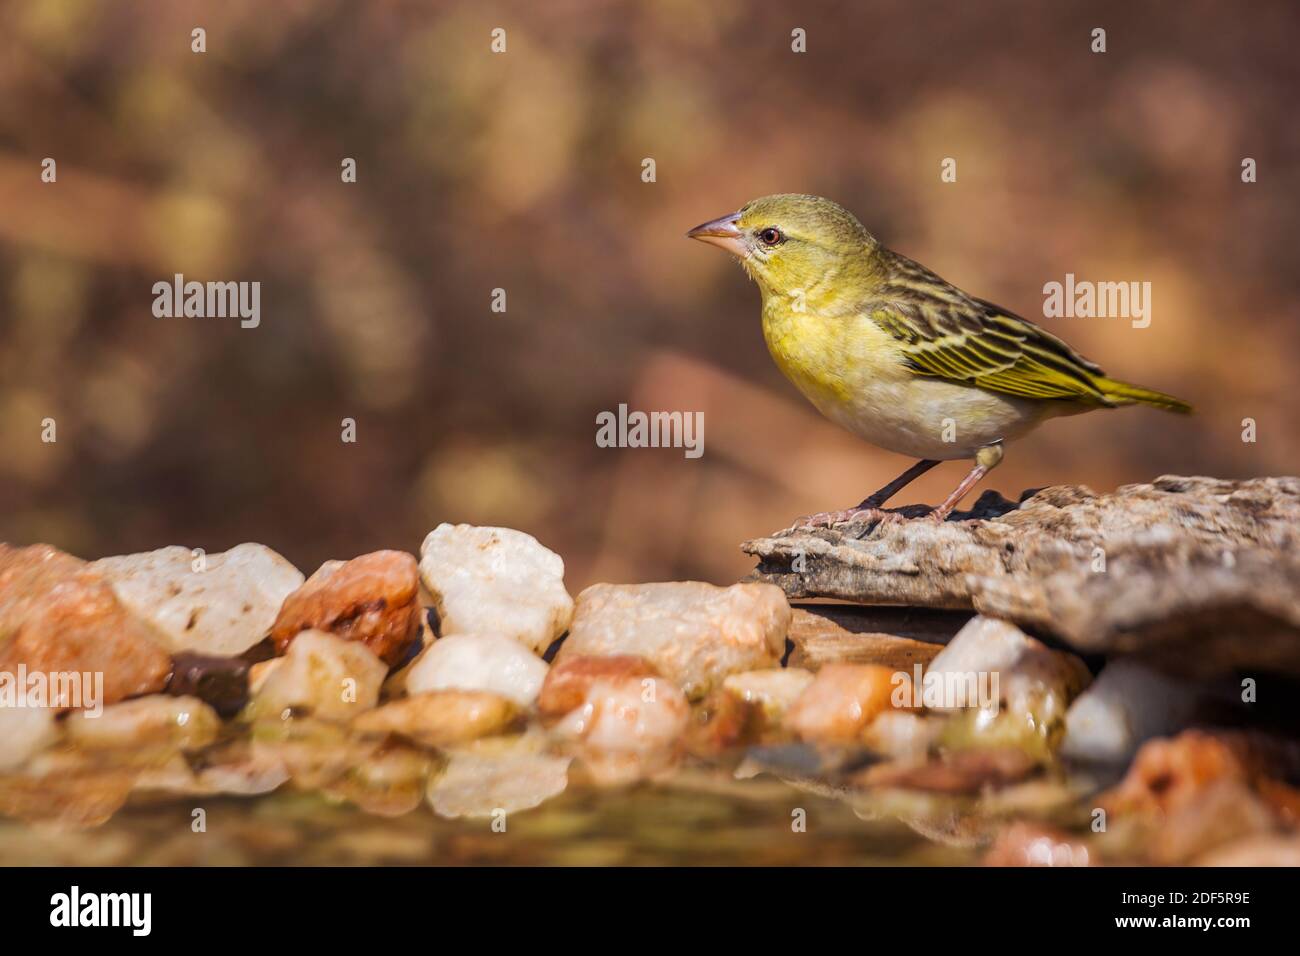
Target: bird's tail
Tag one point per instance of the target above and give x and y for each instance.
(1122, 393)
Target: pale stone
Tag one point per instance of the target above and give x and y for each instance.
(240, 768)
(488, 783)
(1025, 667)
(259, 672)
(694, 633)
(172, 776)
(633, 714)
(389, 783)
(1006, 687)
(773, 689)
(221, 610)
(24, 732)
(158, 720)
(440, 718)
(569, 680)
(496, 581)
(985, 644)
(333, 678)
(900, 733)
(313, 752)
(489, 662)
(1126, 706)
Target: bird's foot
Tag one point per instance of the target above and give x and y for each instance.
(872, 517)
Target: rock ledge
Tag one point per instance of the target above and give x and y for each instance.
(1200, 573)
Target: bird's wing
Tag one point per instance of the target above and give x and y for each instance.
(947, 334)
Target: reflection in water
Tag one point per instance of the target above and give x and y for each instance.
(697, 818)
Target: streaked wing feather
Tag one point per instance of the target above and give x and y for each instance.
(946, 334)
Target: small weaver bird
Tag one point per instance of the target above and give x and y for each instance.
(885, 348)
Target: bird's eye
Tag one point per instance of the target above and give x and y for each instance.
(770, 236)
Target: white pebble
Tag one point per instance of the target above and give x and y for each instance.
(155, 720)
(24, 732)
(333, 678)
(1126, 705)
(628, 715)
(219, 604)
(475, 784)
(773, 689)
(496, 581)
(694, 633)
(487, 662)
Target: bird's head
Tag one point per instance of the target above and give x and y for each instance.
(789, 242)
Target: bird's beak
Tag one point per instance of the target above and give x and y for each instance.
(724, 233)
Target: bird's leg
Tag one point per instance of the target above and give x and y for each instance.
(874, 501)
(986, 459)
(869, 507)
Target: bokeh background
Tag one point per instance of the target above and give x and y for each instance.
(523, 171)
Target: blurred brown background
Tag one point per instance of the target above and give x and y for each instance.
(522, 171)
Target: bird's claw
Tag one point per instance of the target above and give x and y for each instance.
(873, 517)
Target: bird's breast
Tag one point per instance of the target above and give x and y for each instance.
(855, 374)
(829, 358)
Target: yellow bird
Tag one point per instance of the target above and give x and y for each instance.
(885, 348)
